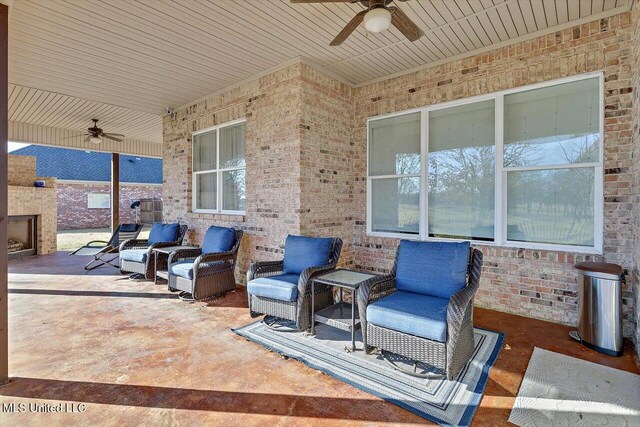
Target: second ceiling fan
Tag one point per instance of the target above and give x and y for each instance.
(377, 17)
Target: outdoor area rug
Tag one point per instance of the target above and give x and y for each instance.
(444, 402)
(559, 390)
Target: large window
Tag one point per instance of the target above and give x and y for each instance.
(219, 169)
(518, 168)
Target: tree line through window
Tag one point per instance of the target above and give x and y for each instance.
(520, 167)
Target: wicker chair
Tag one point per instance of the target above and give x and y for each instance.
(136, 254)
(202, 273)
(292, 298)
(405, 322)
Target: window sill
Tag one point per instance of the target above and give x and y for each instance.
(506, 245)
(226, 215)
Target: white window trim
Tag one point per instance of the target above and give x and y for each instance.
(500, 229)
(219, 172)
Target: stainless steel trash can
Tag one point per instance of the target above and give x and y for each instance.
(600, 307)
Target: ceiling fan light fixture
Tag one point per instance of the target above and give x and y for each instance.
(95, 140)
(377, 20)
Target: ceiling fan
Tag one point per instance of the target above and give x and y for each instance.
(95, 134)
(377, 18)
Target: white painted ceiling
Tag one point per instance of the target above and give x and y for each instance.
(124, 61)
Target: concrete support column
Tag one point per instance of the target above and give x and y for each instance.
(115, 191)
(4, 124)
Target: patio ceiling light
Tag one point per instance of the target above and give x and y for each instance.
(377, 20)
(95, 140)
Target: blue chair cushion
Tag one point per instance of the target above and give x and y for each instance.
(283, 287)
(414, 314)
(185, 268)
(218, 239)
(432, 268)
(134, 255)
(164, 232)
(302, 252)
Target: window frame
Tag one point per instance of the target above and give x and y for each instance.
(218, 171)
(106, 196)
(500, 207)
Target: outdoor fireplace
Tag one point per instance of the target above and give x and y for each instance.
(22, 233)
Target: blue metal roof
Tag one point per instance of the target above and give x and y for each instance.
(79, 165)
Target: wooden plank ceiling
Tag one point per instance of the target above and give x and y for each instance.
(124, 61)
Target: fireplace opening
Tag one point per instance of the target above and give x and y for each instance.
(22, 236)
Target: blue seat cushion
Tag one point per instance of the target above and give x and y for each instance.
(185, 268)
(438, 269)
(164, 232)
(134, 255)
(218, 239)
(302, 252)
(414, 314)
(283, 287)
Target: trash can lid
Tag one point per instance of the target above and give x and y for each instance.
(600, 267)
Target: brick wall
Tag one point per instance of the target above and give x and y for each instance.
(533, 283)
(306, 164)
(327, 159)
(21, 170)
(73, 211)
(636, 164)
(271, 107)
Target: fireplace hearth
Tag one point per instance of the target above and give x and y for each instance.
(22, 234)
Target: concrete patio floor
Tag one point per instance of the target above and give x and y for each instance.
(133, 353)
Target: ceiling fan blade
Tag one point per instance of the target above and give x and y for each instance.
(75, 136)
(88, 138)
(109, 136)
(348, 29)
(404, 24)
(117, 135)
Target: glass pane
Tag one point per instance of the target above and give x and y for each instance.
(204, 151)
(395, 205)
(551, 206)
(552, 126)
(206, 190)
(233, 190)
(232, 146)
(394, 145)
(462, 161)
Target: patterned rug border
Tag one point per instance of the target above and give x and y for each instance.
(468, 413)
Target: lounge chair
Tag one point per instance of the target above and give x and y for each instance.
(204, 272)
(282, 289)
(106, 252)
(422, 311)
(136, 255)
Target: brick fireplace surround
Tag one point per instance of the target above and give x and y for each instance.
(306, 160)
(26, 200)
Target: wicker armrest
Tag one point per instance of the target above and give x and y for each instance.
(376, 288)
(372, 290)
(183, 254)
(308, 274)
(217, 256)
(264, 268)
(163, 245)
(134, 244)
(462, 301)
(458, 304)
